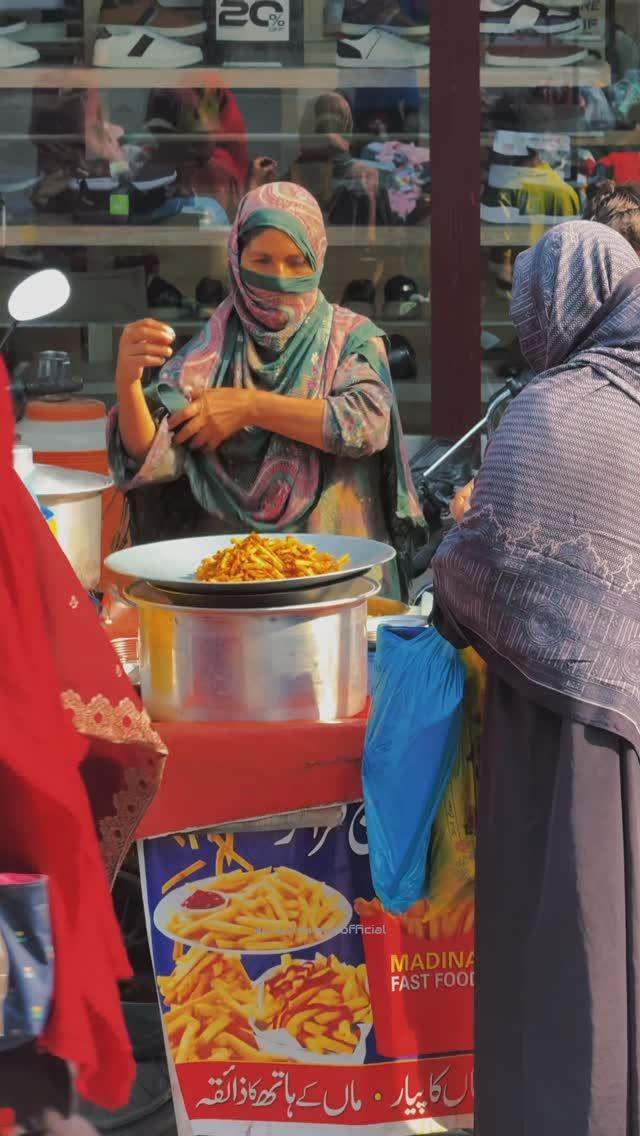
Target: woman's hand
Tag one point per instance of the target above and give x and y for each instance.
(462, 502)
(262, 171)
(146, 343)
(211, 418)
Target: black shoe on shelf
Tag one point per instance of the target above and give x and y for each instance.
(360, 297)
(100, 201)
(401, 298)
(403, 363)
(165, 301)
(209, 295)
(333, 10)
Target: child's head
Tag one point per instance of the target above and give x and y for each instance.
(618, 206)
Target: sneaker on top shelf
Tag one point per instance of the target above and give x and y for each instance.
(165, 301)
(516, 147)
(17, 185)
(360, 297)
(379, 48)
(141, 49)
(533, 51)
(14, 54)
(361, 15)
(527, 16)
(401, 298)
(152, 177)
(10, 26)
(209, 295)
(403, 362)
(179, 23)
(527, 195)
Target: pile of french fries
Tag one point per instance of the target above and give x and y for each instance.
(257, 557)
(421, 922)
(211, 1002)
(267, 910)
(320, 1002)
(213, 1007)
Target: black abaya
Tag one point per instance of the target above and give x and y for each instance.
(558, 925)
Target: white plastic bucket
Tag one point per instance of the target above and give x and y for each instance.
(75, 499)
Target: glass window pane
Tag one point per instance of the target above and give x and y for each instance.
(559, 88)
(130, 131)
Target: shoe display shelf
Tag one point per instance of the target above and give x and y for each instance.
(318, 73)
(187, 252)
(293, 78)
(162, 235)
(596, 74)
(586, 139)
(513, 236)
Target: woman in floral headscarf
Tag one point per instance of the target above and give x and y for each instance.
(291, 424)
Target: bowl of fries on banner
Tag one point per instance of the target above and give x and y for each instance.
(314, 1009)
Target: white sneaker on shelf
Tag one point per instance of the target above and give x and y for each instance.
(520, 16)
(381, 49)
(186, 32)
(12, 27)
(138, 48)
(14, 54)
(139, 15)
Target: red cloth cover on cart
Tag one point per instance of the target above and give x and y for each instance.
(61, 680)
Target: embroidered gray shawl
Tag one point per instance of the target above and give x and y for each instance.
(544, 572)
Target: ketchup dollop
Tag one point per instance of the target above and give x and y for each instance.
(203, 900)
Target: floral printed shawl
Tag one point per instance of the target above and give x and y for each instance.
(292, 343)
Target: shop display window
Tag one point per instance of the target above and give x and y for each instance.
(131, 128)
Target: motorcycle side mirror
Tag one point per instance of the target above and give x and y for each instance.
(39, 295)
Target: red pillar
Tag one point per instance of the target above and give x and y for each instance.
(455, 222)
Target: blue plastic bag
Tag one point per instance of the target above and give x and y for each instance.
(411, 746)
(26, 959)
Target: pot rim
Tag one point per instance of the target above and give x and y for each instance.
(159, 600)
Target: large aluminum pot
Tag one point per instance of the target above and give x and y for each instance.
(292, 657)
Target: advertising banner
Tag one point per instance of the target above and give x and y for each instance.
(292, 1002)
(258, 33)
(594, 16)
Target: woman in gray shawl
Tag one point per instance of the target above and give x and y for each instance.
(542, 576)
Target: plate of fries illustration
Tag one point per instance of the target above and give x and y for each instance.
(210, 1004)
(263, 911)
(314, 1010)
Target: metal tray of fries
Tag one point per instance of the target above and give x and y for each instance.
(172, 564)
